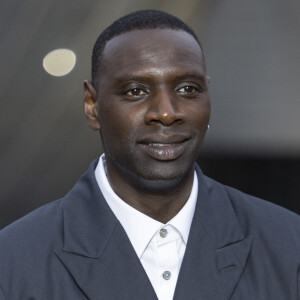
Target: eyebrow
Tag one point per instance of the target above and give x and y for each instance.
(198, 77)
(142, 78)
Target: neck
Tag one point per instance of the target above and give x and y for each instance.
(160, 200)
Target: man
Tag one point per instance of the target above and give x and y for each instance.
(143, 222)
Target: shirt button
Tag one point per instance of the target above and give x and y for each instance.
(163, 233)
(166, 275)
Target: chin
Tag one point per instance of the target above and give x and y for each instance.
(157, 184)
(160, 179)
(155, 176)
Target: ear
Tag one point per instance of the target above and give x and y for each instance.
(91, 105)
(207, 79)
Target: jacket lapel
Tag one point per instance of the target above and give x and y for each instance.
(217, 250)
(97, 252)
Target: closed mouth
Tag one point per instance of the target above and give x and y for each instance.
(164, 148)
(164, 140)
(160, 144)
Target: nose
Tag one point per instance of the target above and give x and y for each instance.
(163, 109)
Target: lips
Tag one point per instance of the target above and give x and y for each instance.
(164, 147)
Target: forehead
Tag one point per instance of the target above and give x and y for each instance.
(151, 48)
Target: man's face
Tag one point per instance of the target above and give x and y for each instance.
(154, 105)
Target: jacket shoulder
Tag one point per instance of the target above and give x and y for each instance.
(26, 250)
(262, 218)
(33, 231)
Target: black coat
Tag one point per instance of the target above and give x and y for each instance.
(239, 247)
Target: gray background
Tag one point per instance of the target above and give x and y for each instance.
(252, 52)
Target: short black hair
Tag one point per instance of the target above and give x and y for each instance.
(143, 19)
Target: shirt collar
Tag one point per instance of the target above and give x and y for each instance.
(139, 227)
(183, 220)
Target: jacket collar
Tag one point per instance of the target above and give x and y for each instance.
(88, 220)
(215, 212)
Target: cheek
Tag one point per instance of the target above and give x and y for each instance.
(120, 123)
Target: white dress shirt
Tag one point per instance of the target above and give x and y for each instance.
(160, 247)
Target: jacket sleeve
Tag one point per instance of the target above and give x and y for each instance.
(298, 292)
(1, 294)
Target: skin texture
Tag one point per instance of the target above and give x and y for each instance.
(152, 109)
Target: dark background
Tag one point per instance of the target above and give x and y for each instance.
(252, 51)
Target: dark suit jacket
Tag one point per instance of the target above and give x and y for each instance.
(239, 247)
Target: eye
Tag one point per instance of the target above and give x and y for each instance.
(188, 89)
(135, 92)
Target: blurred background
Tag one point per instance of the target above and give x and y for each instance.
(252, 51)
